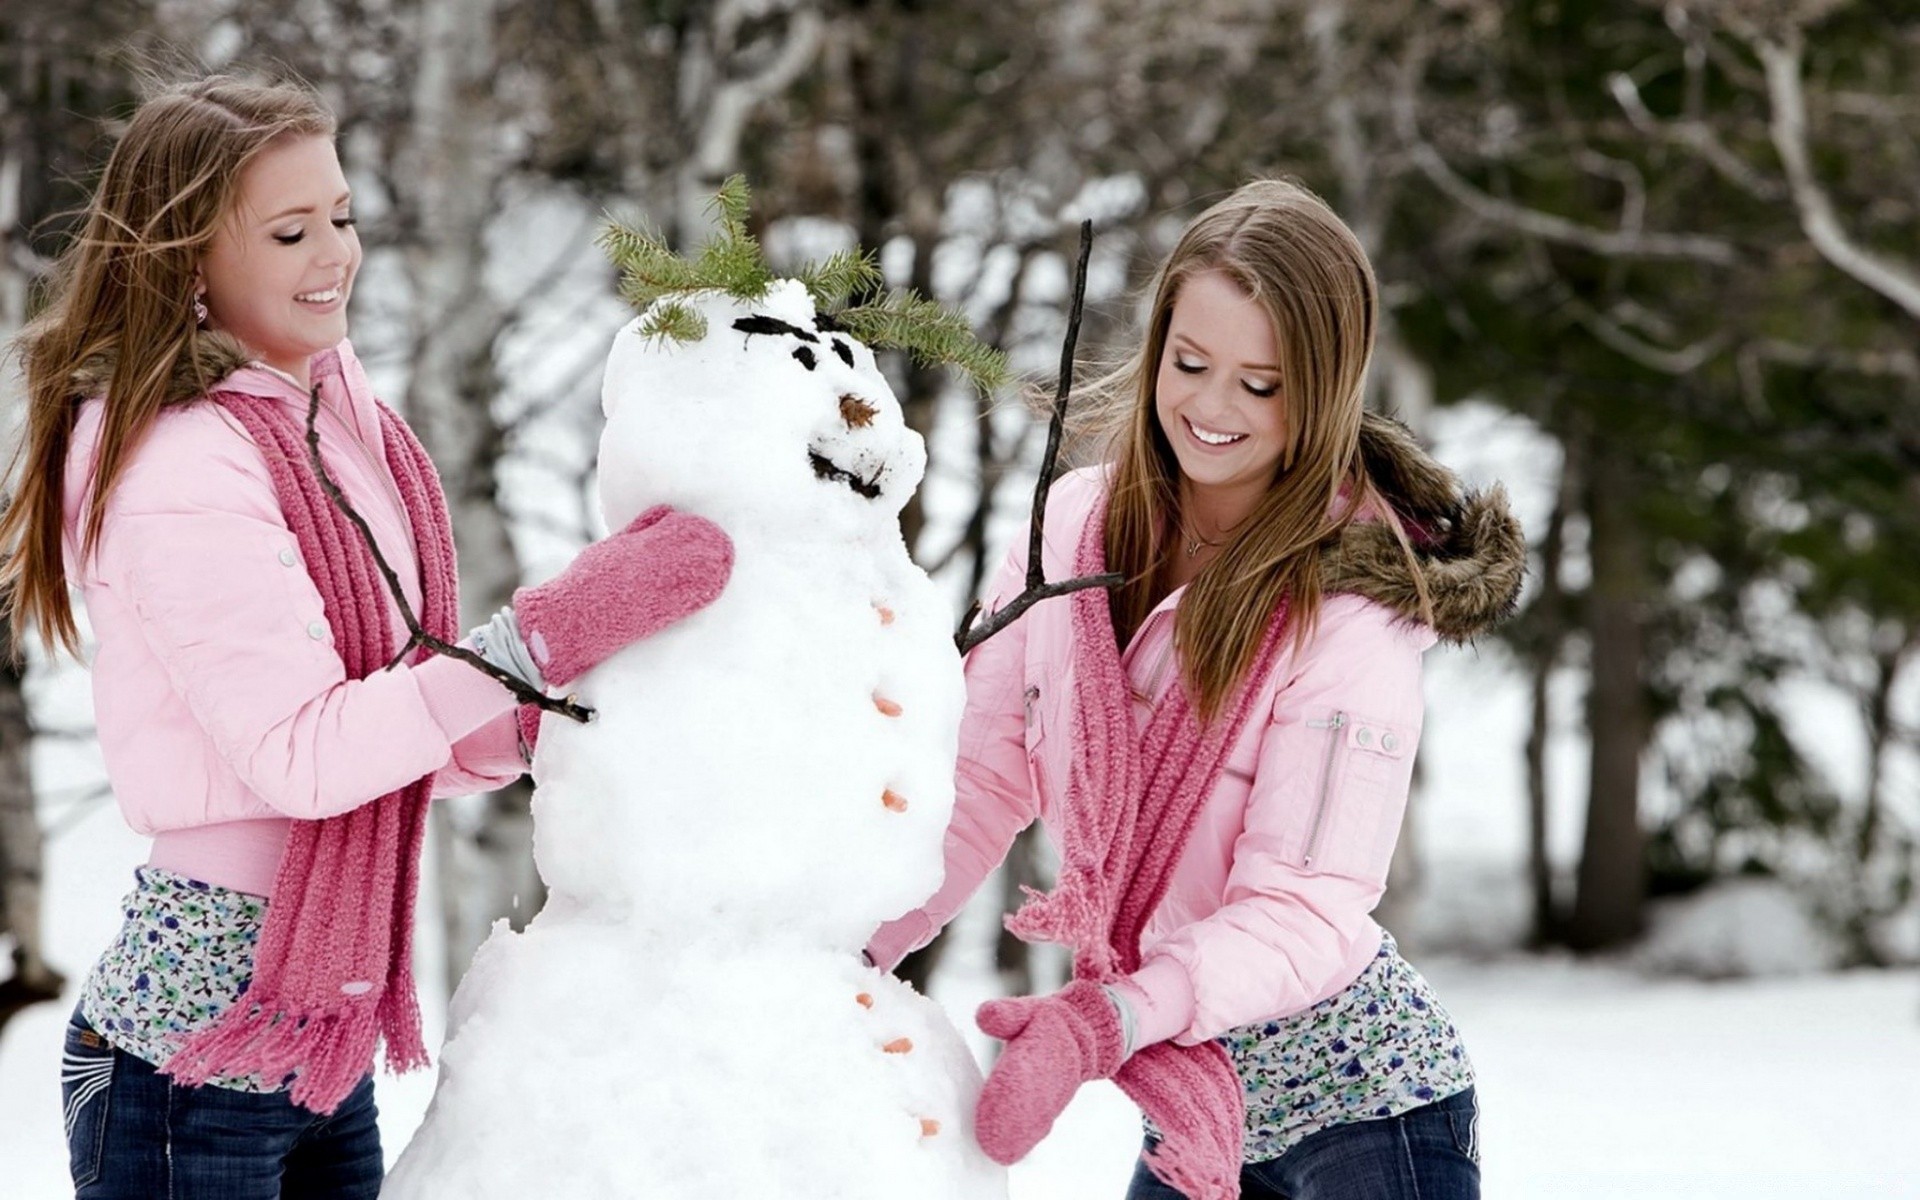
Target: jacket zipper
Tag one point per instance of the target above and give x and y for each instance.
(1333, 726)
(379, 472)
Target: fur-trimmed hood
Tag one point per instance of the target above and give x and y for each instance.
(1471, 551)
(211, 356)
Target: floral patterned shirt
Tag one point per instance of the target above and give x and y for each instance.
(183, 956)
(1378, 1049)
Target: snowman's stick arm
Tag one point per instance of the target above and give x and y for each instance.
(522, 691)
(970, 635)
(1057, 425)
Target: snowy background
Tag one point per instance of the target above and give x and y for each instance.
(1759, 383)
(1598, 1079)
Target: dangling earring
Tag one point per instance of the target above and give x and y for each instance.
(199, 308)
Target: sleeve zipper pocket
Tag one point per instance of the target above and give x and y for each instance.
(1333, 725)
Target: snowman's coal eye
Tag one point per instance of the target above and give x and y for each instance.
(845, 353)
(805, 357)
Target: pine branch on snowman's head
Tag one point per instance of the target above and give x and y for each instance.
(658, 283)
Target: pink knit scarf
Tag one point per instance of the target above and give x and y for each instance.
(333, 970)
(1131, 802)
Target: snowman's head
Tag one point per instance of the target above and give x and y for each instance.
(775, 416)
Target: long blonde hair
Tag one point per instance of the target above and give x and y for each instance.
(120, 298)
(1290, 254)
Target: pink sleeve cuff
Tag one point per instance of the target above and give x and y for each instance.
(459, 698)
(898, 938)
(1161, 996)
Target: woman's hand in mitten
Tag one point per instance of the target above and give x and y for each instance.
(1054, 1044)
(664, 566)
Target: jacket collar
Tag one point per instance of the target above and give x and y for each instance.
(214, 359)
(1469, 549)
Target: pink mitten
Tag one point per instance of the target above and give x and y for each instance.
(664, 566)
(1054, 1044)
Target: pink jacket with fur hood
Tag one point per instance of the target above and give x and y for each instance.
(1269, 908)
(223, 710)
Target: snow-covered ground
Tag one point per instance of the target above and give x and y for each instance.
(1596, 1081)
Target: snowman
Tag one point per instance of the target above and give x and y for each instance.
(689, 1016)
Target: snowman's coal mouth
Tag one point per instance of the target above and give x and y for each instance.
(826, 468)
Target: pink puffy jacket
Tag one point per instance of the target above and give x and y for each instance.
(223, 710)
(1269, 908)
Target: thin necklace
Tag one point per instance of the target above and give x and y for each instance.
(1195, 541)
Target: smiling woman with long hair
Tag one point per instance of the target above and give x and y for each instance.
(1222, 746)
(252, 716)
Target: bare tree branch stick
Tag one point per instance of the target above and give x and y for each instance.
(1817, 216)
(522, 691)
(969, 635)
(1615, 336)
(1620, 243)
(1695, 135)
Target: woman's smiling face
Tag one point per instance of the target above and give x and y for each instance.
(279, 271)
(1217, 389)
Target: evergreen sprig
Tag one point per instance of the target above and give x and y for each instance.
(932, 333)
(675, 321)
(847, 273)
(731, 261)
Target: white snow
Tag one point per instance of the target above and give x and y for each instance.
(1735, 929)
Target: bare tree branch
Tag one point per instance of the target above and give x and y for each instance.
(1694, 135)
(1615, 336)
(1781, 60)
(1618, 243)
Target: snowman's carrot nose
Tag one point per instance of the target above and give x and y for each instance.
(886, 614)
(887, 707)
(894, 801)
(928, 1127)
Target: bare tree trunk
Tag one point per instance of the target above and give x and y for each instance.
(894, 187)
(1611, 891)
(454, 168)
(31, 980)
(1550, 632)
(733, 59)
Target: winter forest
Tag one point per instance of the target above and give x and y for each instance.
(1652, 264)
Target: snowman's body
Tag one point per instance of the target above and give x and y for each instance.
(766, 781)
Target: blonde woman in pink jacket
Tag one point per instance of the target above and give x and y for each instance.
(1221, 748)
(262, 710)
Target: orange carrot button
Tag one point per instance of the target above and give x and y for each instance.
(929, 1127)
(887, 707)
(894, 801)
(864, 1000)
(899, 1046)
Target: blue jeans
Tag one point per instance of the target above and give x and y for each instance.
(133, 1133)
(1426, 1153)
